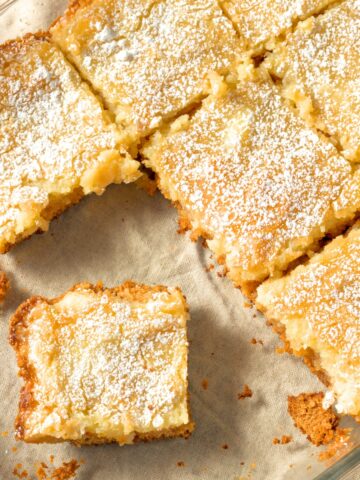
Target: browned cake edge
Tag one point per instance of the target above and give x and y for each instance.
(15, 45)
(71, 10)
(18, 339)
(308, 355)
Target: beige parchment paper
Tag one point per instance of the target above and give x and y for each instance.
(125, 234)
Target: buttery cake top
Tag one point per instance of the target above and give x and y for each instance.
(320, 67)
(54, 136)
(319, 305)
(148, 59)
(251, 176)
(260, 21)
(110, 363)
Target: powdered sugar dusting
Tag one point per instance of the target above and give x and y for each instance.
(148, 58)
(252, 176)
(109, 365)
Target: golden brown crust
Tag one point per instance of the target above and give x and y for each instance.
(310, 358)
(18, 339)
(61, 204)
(72, 8)
(129, 290)
(183, 431)
(15, 45)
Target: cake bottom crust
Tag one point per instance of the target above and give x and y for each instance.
(183, 431)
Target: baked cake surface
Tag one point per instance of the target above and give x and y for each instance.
(320, 70)
(103, 365)
(148, 59)
(261, 21)
(250, 176)
(318, 306)
(56, 141)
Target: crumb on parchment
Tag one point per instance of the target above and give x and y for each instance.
(4, 286)
(246, 393)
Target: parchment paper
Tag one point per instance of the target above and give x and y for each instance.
(125, 234)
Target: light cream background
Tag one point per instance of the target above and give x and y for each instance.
(125, 234)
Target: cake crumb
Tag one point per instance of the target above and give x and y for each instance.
(18, 473)
(5, 433)
(14, 449)
(340, 445)
(65, 472)
(312, 419)
(205, 383)
(246, 393)
(254, 341)
(180, 464)
(4, 286)
(282, 441)
(225, 446)
(210, 267)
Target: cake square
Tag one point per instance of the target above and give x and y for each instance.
(249, 176)
(149, 60)
(103, 365)
(259, 22)
(57, 143)
(316, 307)
(320, 71)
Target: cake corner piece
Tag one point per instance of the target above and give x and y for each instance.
(103, 365)
(49, 113)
